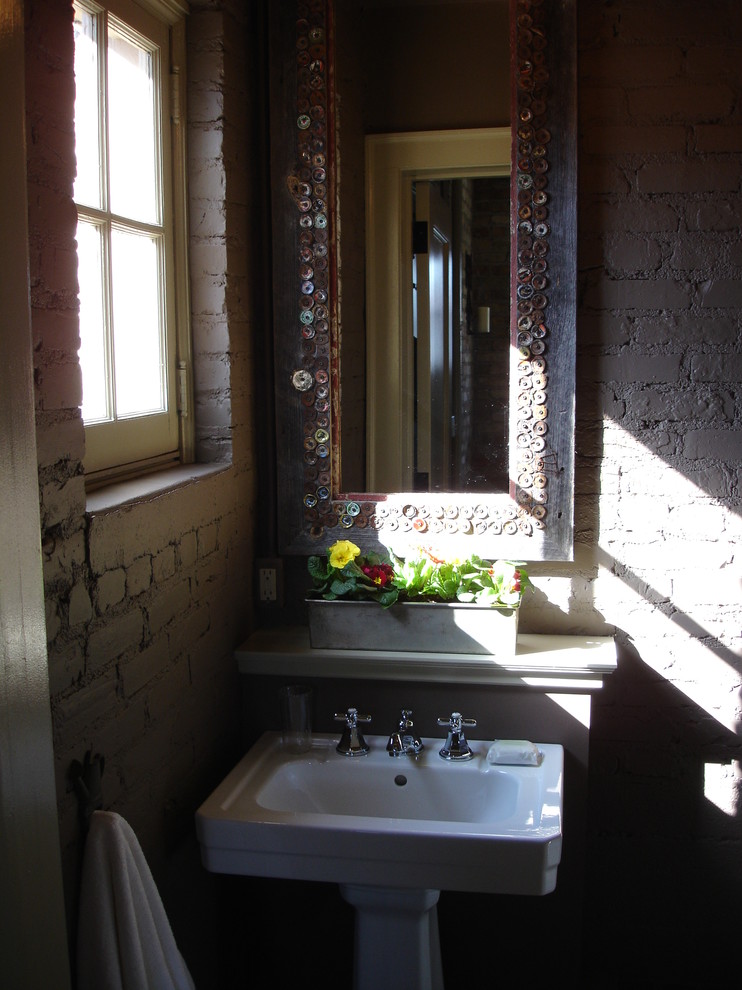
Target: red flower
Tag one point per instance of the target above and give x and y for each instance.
(380, 574)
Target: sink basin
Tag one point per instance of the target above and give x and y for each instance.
(402, 822)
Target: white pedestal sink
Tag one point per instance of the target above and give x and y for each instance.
(396, 941)
(392, 832)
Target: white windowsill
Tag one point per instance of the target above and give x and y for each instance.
(149, 486)
(577, 663)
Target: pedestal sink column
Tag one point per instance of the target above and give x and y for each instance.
(396, 938)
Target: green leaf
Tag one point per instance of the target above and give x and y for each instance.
(388, 597)
(317, 567)
(340, 587)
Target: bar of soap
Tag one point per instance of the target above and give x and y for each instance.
(515, 752)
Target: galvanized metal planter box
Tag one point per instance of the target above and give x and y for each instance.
(413, 627)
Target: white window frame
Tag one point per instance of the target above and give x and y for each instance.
(129, 447)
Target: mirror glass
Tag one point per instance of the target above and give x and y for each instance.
(438, 310)
(460, 333)
(444, 67)
(384, 436)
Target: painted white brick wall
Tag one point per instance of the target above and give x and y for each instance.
(145, 603)
(660, 345)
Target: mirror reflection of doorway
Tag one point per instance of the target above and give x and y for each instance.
(476, 432)
(433, 335)
(461, 331)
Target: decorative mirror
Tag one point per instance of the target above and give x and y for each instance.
(350, 382)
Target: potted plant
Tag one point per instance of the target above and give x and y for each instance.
(422, 603)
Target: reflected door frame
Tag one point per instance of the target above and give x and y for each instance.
(433, 287)
(393, 162)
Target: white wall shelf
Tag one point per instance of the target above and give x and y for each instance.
(578, 663)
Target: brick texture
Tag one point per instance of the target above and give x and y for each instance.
(659, 336)
(129, 615)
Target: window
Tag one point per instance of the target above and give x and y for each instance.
(130, 238)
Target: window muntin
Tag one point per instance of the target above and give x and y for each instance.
(125, 236)
(88, 128)
(133, 132)
(93, 350)
(136, 305)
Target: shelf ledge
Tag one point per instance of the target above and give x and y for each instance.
(578, 663)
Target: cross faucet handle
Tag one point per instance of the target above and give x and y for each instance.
(352, 742)
(456, 721)
(456, 747)
(352, 718)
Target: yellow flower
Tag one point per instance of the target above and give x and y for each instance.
(342, 552)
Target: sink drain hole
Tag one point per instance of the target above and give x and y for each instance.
(400, 780)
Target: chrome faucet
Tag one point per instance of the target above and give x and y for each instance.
(401, 741)
(352, 742)
(456, 747)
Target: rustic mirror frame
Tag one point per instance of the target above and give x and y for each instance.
(533, 520)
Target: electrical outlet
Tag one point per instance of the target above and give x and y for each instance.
(267, 584)
(270, 581)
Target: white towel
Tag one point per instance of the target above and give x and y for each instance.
(124, 939)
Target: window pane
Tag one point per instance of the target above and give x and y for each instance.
(87, 110)
(93, 363)
(137, 322)
(132, 129)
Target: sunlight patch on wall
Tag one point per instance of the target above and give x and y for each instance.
(576, 705)
(670, 577)
(721, 787)
(676, 652)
